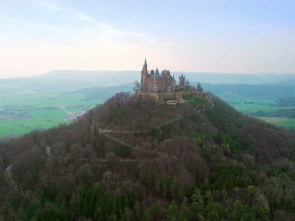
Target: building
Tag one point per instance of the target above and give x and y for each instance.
(153, 81)
(163, 86)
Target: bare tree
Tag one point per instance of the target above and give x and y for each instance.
(137, 85)
(199, 87)
(187, 83)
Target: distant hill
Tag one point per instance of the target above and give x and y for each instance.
(111, 78)
(288, 82)
(62, 81)
(95, 78)
(132, 159)
(105, 93)
(260, 90)
(35, 84)
(222, 78)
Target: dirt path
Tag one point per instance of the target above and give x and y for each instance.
(160, 155)
(16, 187)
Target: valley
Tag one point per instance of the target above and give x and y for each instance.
(270, 109)
(22, 113)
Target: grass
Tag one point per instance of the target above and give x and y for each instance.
(22, 113)
(280, 121)
(191, 99)
(252, 105)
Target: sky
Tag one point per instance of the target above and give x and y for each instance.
(226, 36)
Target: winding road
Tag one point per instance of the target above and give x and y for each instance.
(160, 155)
(16, 187)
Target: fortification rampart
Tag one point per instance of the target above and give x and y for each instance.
(177, 95)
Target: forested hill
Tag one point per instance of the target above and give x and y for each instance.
(133, 159)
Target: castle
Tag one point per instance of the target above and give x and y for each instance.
(156, 82)
(163, 86)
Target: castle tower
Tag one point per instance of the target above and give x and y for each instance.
(152, 72)
(145, 66)
(144, 76)
(181, 80)
(157, 81)
(173, 84)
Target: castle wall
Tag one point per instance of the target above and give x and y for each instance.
(181, 81)
(157, 84)
(150, 84)
(160, 97)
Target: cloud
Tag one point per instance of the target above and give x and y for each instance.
(104, 29)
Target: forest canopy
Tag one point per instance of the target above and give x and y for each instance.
(185, 162)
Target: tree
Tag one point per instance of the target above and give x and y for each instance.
(198, 202)
(137, 85)
(84, 173)
(113, 160)
(199, 87)
(187, 83)
(151, 212)
(172, 211)
(163, 185)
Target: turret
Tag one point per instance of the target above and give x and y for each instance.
(157, 81)
(157, 72)
(181, 80)
(144, 76)
(145, 66)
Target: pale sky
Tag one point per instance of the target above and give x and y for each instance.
(229, 36)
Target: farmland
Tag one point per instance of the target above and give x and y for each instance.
(270, 109)
(280, 121)
(23, 112)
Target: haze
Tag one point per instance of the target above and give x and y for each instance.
(203, 36)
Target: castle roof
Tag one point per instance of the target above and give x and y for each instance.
(165, 71)
(157, 72)
(173, 79)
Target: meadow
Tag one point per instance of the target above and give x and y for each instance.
(261, 107)
(23, 112)
(280, 121)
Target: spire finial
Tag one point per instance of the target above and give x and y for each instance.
(145, 62)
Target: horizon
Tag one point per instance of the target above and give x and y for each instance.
(238, 37)
(178, 72)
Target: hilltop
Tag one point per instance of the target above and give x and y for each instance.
(135, 159)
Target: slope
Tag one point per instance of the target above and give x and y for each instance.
(221, 165)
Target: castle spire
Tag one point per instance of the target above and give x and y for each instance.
(157, 72)
(144, 68)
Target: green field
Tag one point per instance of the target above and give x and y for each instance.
(280, 121)
(253, 105)
(249, 105)
(22, 113)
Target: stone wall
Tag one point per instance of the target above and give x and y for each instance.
(160, 97)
